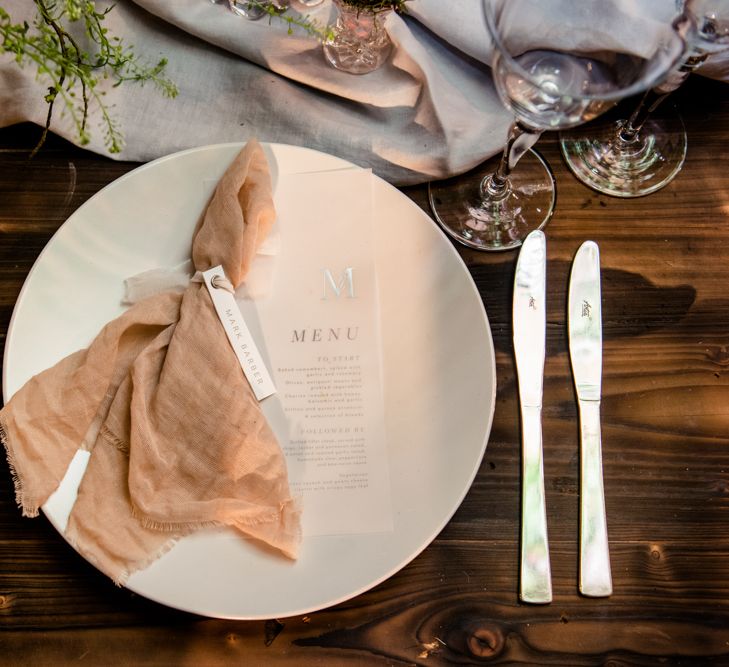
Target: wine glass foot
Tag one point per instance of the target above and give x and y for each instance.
(495, 223)
(600, 161)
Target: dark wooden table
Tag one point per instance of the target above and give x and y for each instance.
(665, 262)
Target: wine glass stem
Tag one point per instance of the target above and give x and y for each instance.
(652, 99)
(519, 140)
(628, 131)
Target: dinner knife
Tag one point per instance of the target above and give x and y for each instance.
(585, 343)
(529, 325)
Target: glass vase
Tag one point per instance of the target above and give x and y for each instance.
(360, 43)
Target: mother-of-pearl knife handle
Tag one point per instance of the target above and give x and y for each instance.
(535, 579)
(595, 577)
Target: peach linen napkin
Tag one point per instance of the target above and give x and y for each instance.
(177, 438)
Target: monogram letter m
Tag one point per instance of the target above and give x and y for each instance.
(346, 281)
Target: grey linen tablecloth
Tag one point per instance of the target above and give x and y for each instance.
(429, 112)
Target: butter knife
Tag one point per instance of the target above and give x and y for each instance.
(585, 343)
(529, 325)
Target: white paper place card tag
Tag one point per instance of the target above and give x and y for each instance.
(238, 334)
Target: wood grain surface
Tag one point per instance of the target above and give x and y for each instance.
(665, 261)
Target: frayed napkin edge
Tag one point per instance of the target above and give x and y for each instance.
(30, 506)
(120, 576)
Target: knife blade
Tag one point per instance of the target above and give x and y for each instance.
(585, 344)
(529, 333)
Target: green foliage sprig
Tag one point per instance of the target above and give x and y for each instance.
(73, 73)
(279, 12)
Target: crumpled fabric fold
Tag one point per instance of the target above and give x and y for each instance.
(430, 112)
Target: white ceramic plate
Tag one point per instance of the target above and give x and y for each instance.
(438, 359)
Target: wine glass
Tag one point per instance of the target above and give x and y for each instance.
(641, 154)
(555, 64)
